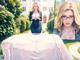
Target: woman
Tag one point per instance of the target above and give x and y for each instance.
(68, 22)
(35, 17)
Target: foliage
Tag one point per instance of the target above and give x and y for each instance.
(12, 6)
(7, 24)
(50, 26)
(22, 23)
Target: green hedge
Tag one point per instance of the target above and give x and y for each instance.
(7, 24)
(22, 23)
(50, 26)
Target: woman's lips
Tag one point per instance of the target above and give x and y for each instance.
(67, 23)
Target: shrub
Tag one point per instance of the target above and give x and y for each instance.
(22, 23)
(50, 26)
(7, 24)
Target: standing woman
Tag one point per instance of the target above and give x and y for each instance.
(35, 17)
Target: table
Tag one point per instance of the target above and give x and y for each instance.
(35, 47)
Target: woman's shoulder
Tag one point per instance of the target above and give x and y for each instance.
(55, 31)
(31, 12)
(78, 35)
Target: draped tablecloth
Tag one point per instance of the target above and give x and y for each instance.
(35, 47)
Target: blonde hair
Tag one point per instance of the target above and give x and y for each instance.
(33, 9)
(73, 8)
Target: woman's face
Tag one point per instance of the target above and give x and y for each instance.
(35, 6)
(67, 18)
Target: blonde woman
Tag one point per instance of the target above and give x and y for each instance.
(36, 17)
(68, 22)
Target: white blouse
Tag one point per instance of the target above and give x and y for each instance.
(36, 15)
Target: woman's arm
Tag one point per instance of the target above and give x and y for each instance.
(78, 35)
(30, 16)
(40, 16)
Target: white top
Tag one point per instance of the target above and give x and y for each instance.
(35, 47)
(36, 15)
